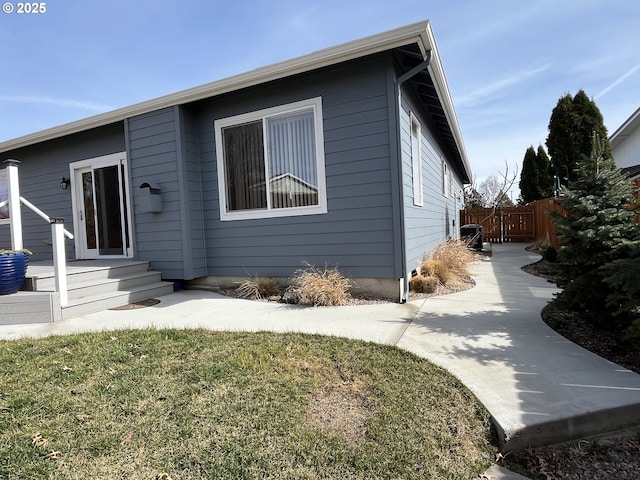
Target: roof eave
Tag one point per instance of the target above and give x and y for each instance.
(321, 58)
(436, 71)
(419, 33)
(622, 132)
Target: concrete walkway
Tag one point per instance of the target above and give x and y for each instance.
(539, 387)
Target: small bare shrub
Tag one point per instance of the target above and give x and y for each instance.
(256, 288)
(321, 287)
(422, 284)
(437, 269)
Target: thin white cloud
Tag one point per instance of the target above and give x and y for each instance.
(617, 82)
(58, 102)
(487, 91)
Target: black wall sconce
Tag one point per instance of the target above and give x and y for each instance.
(64, 184)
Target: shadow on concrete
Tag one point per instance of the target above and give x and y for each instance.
(539, 387)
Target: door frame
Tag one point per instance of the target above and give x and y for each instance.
(78, 206)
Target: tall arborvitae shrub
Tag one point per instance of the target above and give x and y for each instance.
(545, 175)
(529, 176)
(598, 237)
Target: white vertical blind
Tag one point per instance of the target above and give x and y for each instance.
(293, 178)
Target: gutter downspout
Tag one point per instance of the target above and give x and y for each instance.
(404, 294)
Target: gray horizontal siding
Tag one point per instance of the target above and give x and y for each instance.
(194, 228)
(41, 169)
(432, 223)
(164, 151)
(153, 158)
(357, 232)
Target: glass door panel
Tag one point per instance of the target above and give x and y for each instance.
(109, 219)
(89, 211)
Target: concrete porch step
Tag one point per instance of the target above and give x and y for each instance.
(81, 289)
(29, 307)
(40, 276)
(104, 301)
(93, 286)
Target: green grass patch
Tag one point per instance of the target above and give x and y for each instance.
(199, 405)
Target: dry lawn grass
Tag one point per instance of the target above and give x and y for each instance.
(195, 405)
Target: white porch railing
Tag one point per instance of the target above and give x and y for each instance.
(58, 231)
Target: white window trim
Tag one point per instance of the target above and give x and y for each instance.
(99, 162)
(321, 208)
(416, 161)
(446, 179)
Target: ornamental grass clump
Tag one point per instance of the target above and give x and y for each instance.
(257, 288)
(456, 256)
(326, 287)
(436, 269)
(422, 284)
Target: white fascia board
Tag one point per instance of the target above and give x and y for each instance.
(416, 33)
(436, 71)
(625, 129)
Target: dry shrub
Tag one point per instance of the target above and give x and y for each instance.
(257, 288)
(437, 269)
(456, 256)
(326, 287)
(422, 284)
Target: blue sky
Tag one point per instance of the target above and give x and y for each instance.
(507, 61)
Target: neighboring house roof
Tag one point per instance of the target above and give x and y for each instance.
(288, 183)
(625, 145)
(624, 130)
(432, 88)
(632, 172)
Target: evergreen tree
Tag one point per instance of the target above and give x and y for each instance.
(572, 123)
(529, 176)
(545, 176)
(536, 180)
(598, 234)
(621, 276)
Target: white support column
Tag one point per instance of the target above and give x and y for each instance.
(59, 259)
(15, 218)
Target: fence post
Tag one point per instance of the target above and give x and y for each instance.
(59, 259)
(15, 218)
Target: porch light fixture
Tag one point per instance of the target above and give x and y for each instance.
(64, 184)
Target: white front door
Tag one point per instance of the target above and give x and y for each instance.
(101, 207)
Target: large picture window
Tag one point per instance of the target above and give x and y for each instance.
(271, 162)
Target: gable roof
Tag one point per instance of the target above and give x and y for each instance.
(289, 183)
(418, 37)
(624, 130)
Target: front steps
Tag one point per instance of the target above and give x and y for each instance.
(93, 286)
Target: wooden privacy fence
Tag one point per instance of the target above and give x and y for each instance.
(507, 224)
(528, 223)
